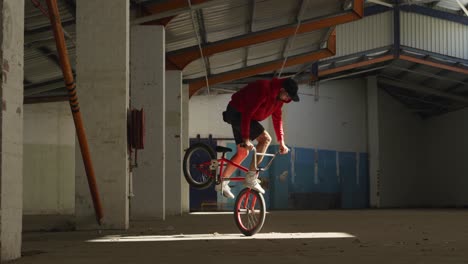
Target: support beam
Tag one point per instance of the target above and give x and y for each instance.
(373, 141)
(169, 8)
(457, 86)
(199, 83)
(434, 64)
(148, 89)
(11, 128)
(411, 68)
(423, 89)
(429, 75)
(183, 57)
(355, 65)
(396, 29)
(103, 82)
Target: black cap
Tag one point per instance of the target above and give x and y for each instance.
(291, 87)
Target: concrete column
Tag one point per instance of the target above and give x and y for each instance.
(11, 128)
(176, 185)
(185, 143)
(373, 140)
(103, 92)
(148, 82)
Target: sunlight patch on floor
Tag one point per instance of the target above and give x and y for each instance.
(217, 236)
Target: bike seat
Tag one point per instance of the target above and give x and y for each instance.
(222, 149)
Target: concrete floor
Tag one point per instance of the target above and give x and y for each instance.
(380, 236)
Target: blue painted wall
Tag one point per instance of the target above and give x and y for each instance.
(305, 178)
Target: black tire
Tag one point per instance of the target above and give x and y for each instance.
(247, 220)
(196, 166)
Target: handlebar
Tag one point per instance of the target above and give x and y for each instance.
(243, 145)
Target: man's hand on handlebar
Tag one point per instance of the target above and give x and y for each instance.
(283, 149)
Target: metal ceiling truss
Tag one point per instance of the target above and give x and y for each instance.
(181, 58)
(196, 84)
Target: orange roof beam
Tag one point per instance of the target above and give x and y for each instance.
(434, 64)
(181, 58)
(197, 84)
(355, 65)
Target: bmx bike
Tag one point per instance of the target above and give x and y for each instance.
(202, 167)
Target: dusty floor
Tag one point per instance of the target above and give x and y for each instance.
(380, 236)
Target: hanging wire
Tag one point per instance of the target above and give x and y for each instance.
(199, 46)
(290, 44)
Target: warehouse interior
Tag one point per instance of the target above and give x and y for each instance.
(100, 100)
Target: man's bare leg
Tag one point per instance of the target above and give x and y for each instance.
(264, 141)
(240, 156)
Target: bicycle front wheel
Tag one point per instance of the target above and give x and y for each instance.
(249, 211)
(197, 161)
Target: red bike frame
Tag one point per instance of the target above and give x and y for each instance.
(223, 161)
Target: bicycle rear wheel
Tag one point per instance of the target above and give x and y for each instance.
(196, 166)
(249, 211)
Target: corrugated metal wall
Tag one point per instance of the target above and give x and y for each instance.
(435, 35)
(368, 33)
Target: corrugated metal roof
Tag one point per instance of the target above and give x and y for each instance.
(180, 33)
(227, 20)
(214, 21)
(40, 56)
(273, 13)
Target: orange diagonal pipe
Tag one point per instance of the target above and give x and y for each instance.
(181, 58)
(75, 107)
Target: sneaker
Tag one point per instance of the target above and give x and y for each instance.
(252, 182)
(225, 189)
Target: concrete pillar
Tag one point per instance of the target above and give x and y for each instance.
(103, 92)
(185, 143)
(11, 128)
(147, 85)
(176, 185)
(373, 140)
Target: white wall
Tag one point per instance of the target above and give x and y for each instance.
(205, 116)
(401, 154)
(49, 159)
(336, 121)
(446, 166)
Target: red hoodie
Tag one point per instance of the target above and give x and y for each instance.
(257, 101)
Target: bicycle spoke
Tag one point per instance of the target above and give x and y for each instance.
(250, 212)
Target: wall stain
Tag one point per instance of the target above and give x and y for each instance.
(5, 70)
